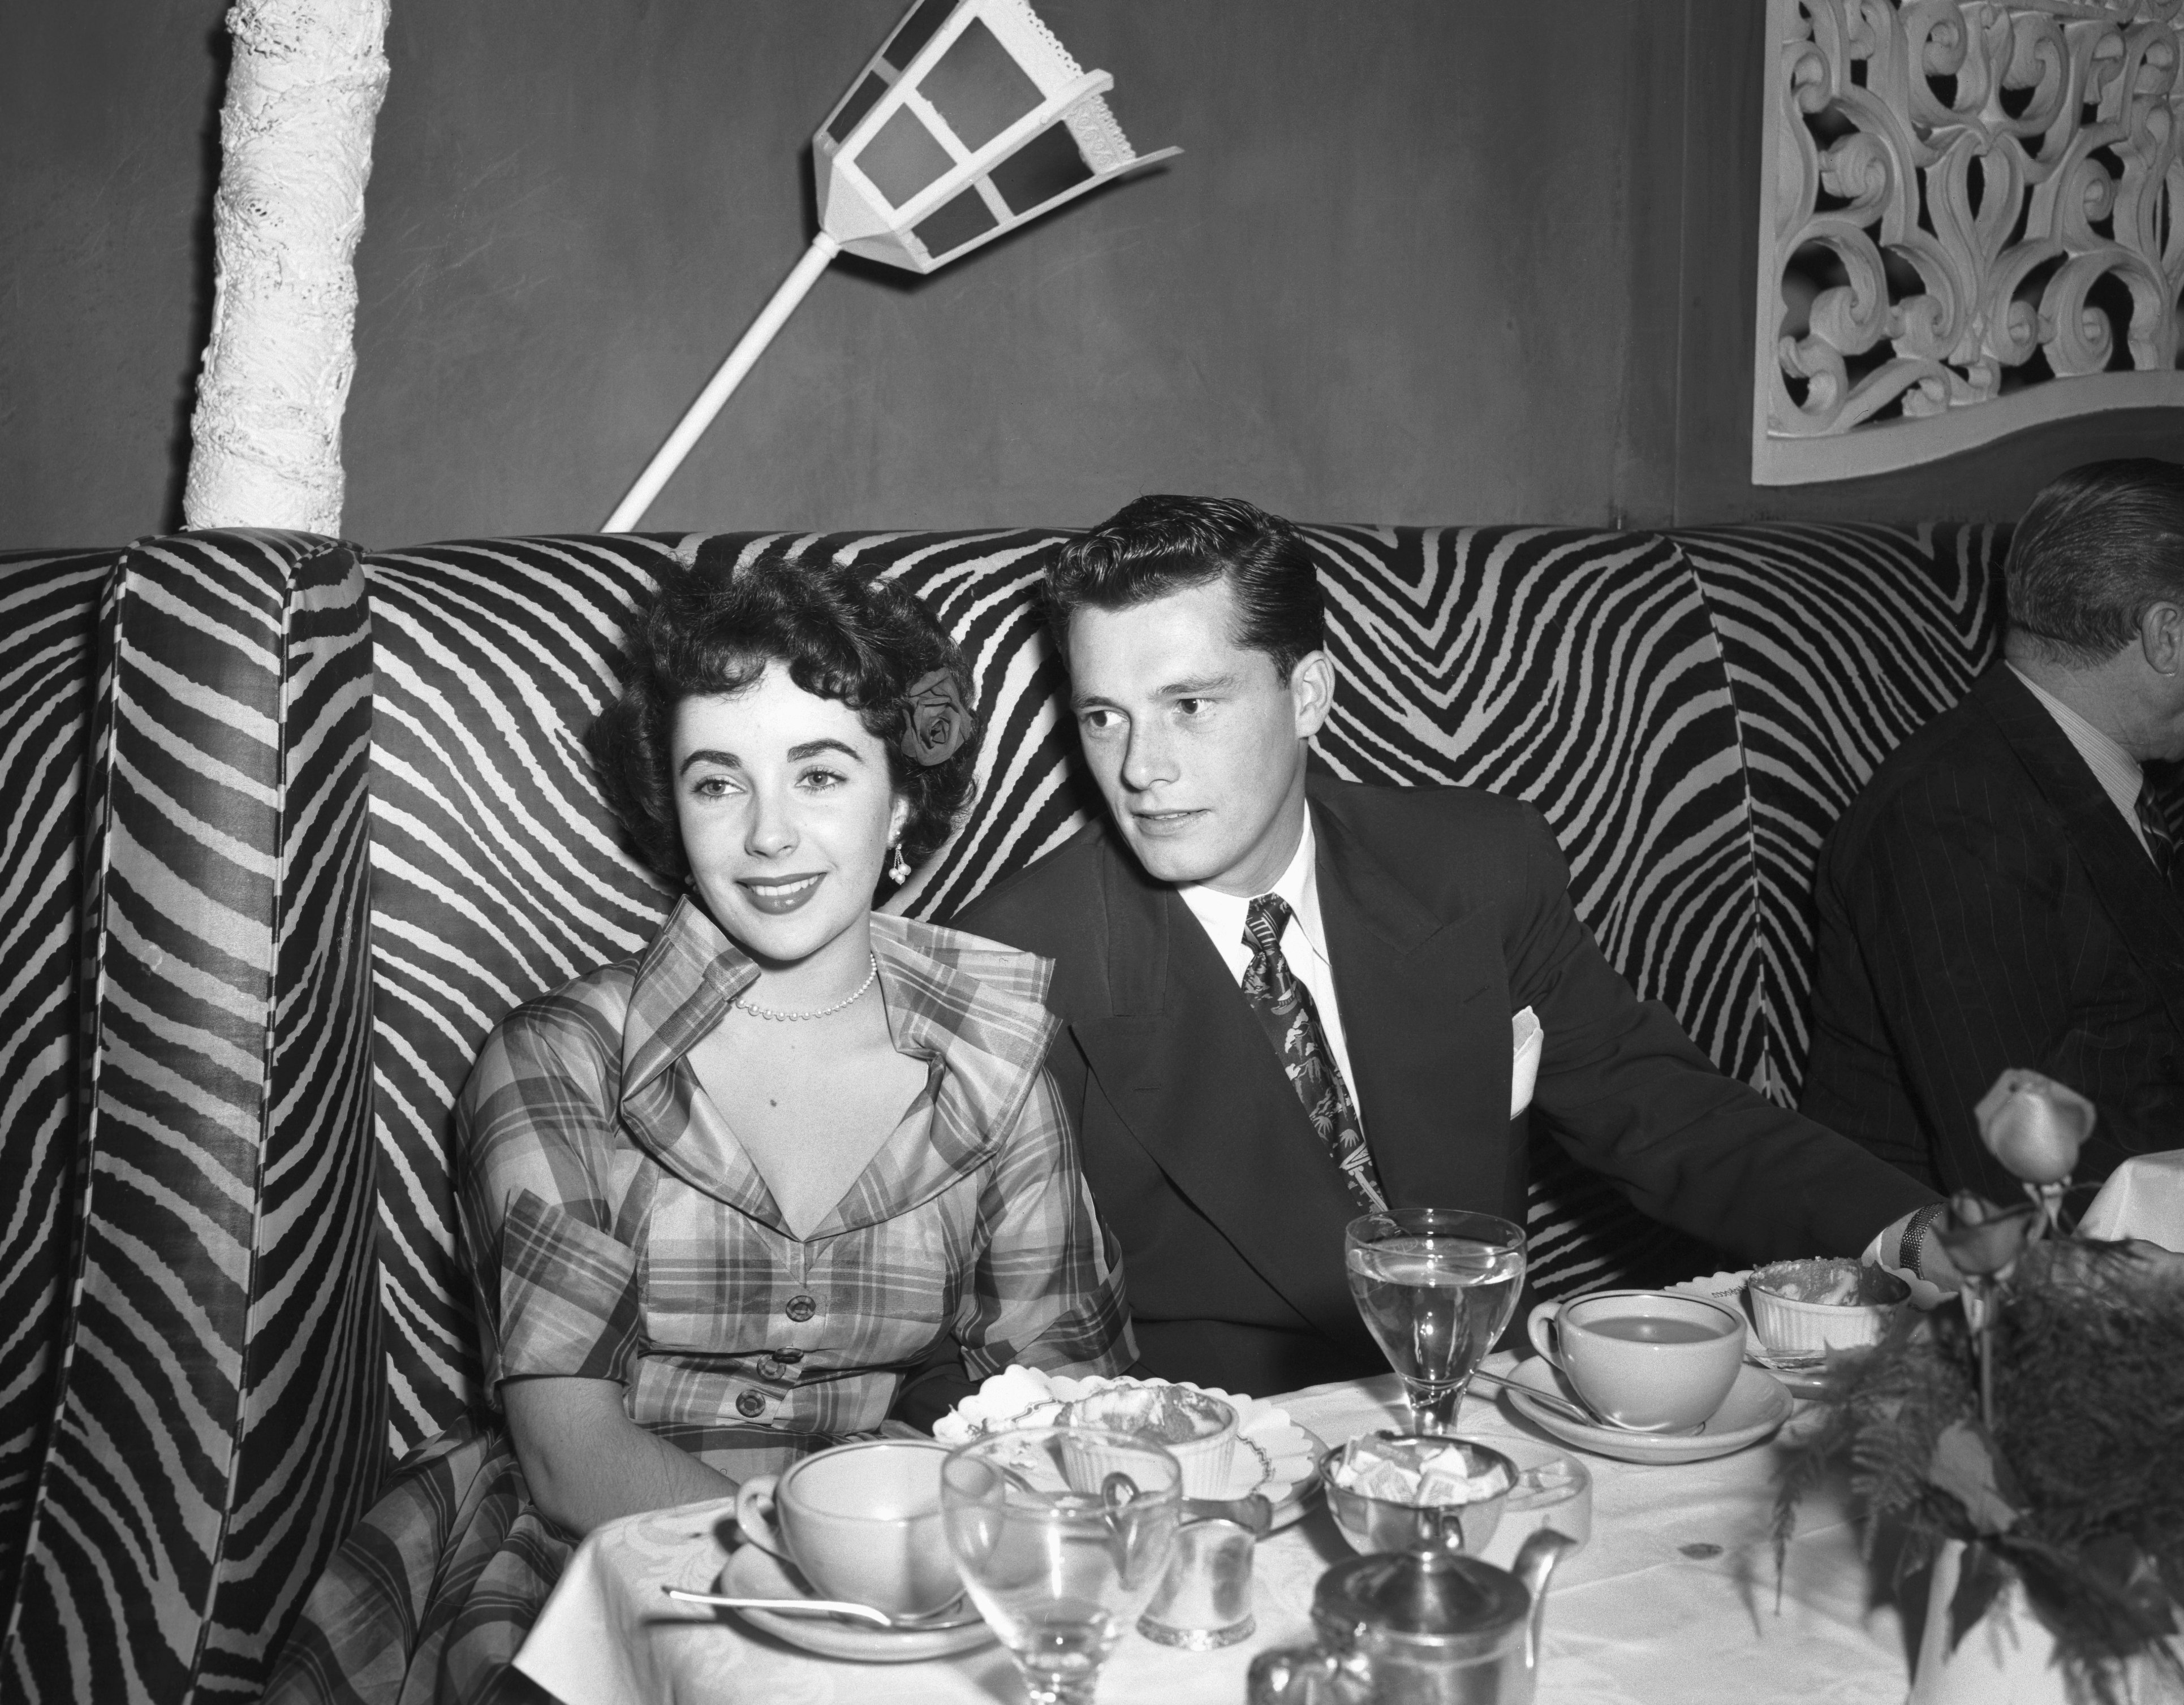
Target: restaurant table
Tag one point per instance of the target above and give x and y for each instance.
(1674, 1601)
(2143, 1197)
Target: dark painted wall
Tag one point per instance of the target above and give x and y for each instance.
(107, 116)
(1421, 262)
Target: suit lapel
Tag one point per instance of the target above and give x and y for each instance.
(1425, 1007)
(2146, 912)
(1234, 1141)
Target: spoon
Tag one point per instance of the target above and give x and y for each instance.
(1583, 1413)
(946, 1617)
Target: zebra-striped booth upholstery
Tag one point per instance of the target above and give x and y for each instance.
(324, 817)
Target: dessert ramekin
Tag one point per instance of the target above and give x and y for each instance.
(1789, 1327)
(1205, 1460)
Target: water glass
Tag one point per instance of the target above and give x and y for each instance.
(1437, 1286)
(1062, 1535)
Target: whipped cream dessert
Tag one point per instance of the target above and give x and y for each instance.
(1835, 1279)
(1170, 1414)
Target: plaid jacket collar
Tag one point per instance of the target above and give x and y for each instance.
(973, 1008)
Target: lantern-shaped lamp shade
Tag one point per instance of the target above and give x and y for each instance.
(971, 119)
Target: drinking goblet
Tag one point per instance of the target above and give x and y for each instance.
(1437, 1286)
(1060, 1534)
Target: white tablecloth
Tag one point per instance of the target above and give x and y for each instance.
(1672, 1602)
(2143, 1197)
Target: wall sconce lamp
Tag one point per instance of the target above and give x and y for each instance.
(971, 120)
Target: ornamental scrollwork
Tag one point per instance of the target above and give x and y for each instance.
(1972, 219)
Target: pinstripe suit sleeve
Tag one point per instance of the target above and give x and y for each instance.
(1955, 901)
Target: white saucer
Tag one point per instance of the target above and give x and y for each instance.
(753, 1572)
(1756, 1405)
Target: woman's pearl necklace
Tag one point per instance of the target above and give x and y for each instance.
(779, 1017)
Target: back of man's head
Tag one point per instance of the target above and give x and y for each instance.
(1161, 545)
(2098, 547)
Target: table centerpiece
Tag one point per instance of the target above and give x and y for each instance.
(2026, 1437)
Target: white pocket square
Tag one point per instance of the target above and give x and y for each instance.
(1525, 1040)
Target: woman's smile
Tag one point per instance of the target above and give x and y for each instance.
(775, 895)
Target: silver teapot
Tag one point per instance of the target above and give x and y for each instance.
(1424, 1627)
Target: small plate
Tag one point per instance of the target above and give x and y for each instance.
(1756, 1405)
(1274, 1457)
(1289, 1491)
(753, 1572)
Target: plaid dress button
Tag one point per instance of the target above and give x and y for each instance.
(801, 1308)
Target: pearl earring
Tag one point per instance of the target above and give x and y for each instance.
(899, 872)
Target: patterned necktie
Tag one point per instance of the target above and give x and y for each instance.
(2159, 841)
(1284, 1009)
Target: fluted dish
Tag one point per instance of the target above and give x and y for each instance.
(1195, 1427)
(1805, 1309)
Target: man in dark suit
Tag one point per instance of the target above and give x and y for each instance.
(2004, 892)
(1287, 997)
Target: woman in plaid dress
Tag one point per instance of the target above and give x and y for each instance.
(718, 1201)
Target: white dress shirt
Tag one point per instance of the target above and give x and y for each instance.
(1304, 944)
(2115, 769)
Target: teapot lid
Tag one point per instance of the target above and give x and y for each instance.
(1439, 1596)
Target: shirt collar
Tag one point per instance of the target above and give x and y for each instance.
(978, 1007)
(1223, 915)
(2115, 769)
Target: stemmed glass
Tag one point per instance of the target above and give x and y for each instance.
(1060, 1535)
(1436, 1286)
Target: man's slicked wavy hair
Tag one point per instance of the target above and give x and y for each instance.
(712, 629)
(2097, 548)
(1159, 545)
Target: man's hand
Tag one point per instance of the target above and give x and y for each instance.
(1925, 1267)
(1937, 1278)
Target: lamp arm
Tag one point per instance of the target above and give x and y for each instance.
(709, 401)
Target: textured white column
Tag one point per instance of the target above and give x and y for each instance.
(303, 93)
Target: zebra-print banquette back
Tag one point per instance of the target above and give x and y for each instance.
(1688, 721)
(216, 1414)
(191, 1405)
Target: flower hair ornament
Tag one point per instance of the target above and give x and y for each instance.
(939, 722)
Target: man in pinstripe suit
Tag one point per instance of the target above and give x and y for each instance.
(2005, 892)
(1288, 998)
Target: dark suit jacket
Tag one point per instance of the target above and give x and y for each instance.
(1983, 905)
(1446, 911)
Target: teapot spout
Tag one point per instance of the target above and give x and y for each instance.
(1534, 1563)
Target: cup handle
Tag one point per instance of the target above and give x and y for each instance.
(754, 1514)
(1541, 1327)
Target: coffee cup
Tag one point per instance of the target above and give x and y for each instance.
(1651, 1361)
(862, 1522)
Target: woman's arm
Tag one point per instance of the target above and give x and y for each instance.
(588, 1464)
(561, 1304)
(1045, 1291)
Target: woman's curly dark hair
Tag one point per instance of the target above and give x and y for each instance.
(713, 627)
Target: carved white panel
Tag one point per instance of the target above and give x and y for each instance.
(1971, 220)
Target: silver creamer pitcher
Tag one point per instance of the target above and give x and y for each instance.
(1424, 1627)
